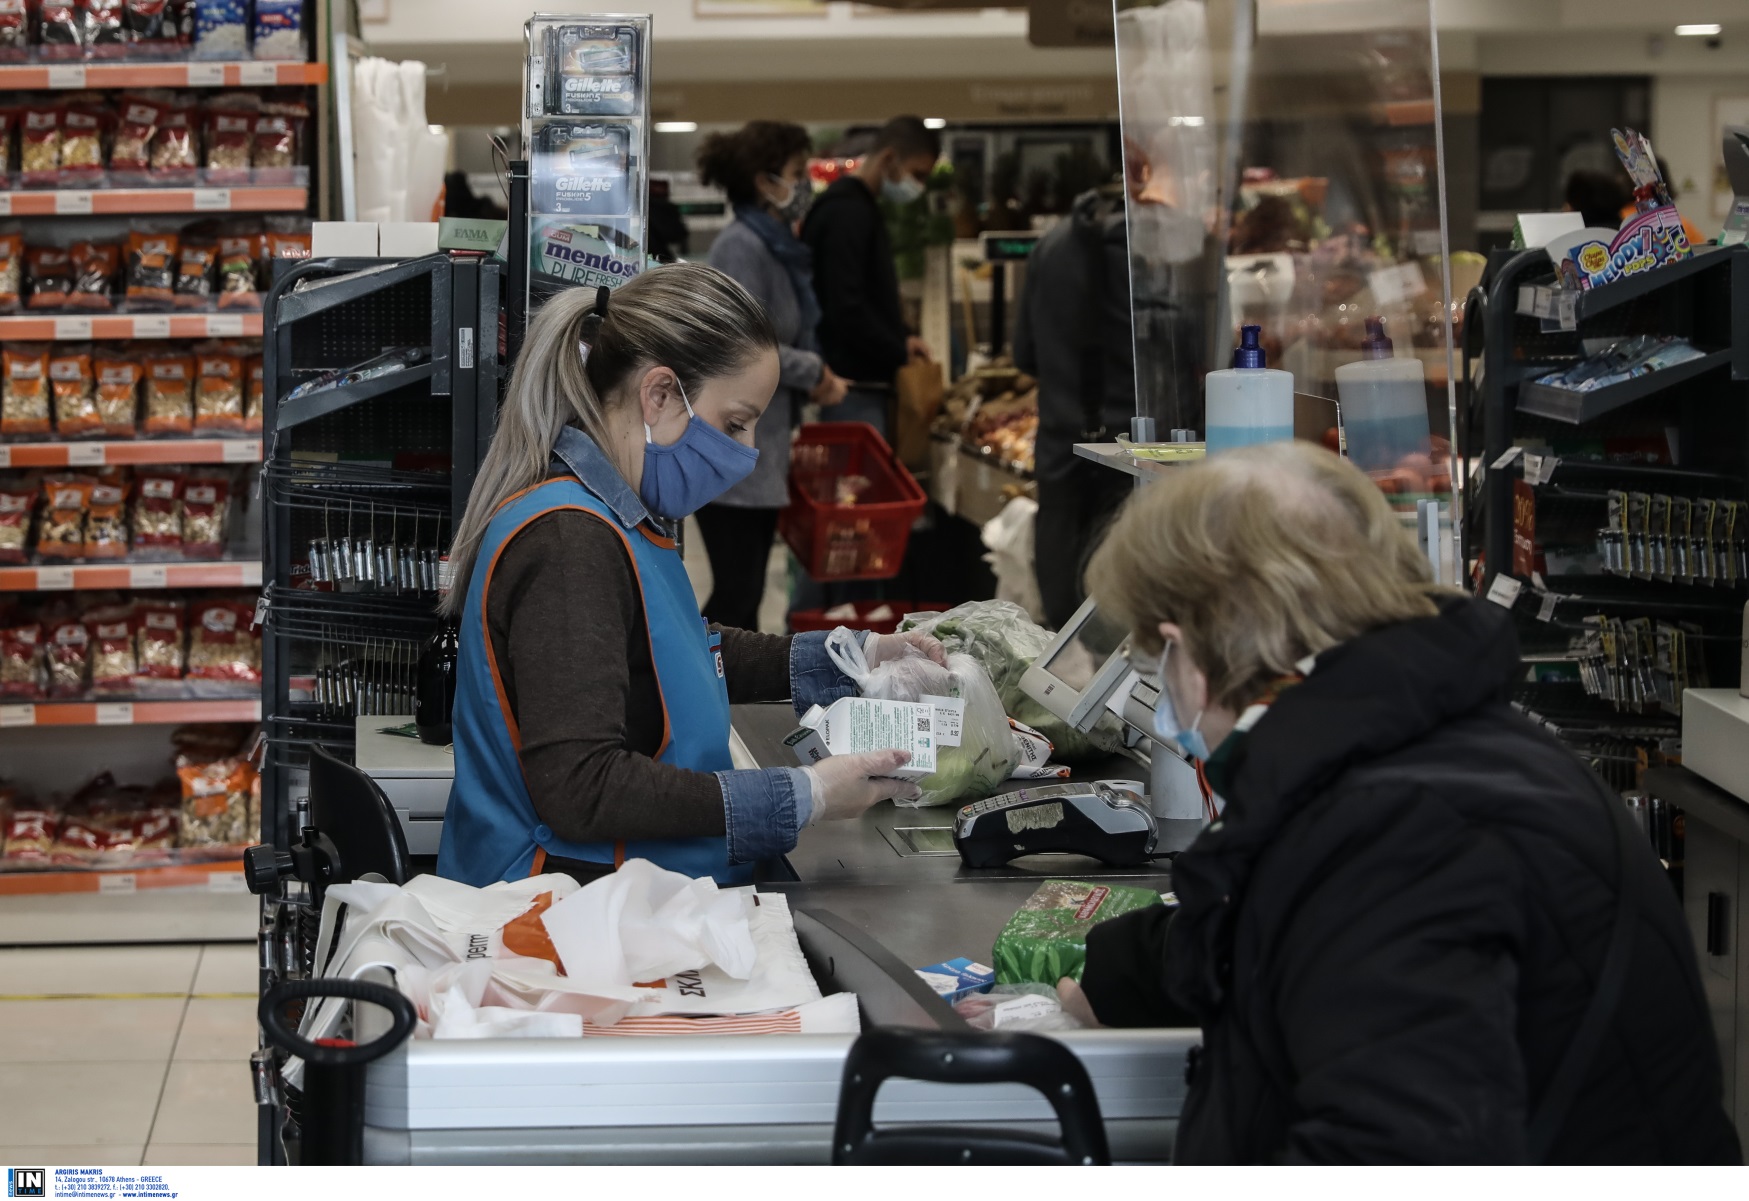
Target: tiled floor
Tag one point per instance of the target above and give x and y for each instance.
(127, 1055)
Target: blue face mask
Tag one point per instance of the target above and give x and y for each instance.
(1166, 724)
(904, 190)
(693, 470)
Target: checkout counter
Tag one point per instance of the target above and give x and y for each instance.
(873, 899)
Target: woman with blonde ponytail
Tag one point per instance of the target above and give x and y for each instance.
(592, 704)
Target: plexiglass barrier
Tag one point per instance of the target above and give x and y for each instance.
(1283, 170)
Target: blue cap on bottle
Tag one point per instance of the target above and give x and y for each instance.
(1377, 344)
(1248, 353)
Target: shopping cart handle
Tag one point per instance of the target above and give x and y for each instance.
(325, 1054)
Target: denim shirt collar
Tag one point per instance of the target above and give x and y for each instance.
(596, 472)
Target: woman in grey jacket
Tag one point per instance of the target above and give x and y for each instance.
(763, 168)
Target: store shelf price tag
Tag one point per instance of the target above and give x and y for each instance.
(17, 715)
(1567, 310)
(54, 579)
(152, 326)
(5, 204)
(225, 325)
(1506, 460)
(226, 882)
(1504, 590)
(87, 454)
(1533, 469)
(5, 456)
(72, 328)
(255, 75)
(116, 713)
(150, 575)
(240, 450)
(73, 204)
(206, 75)
(67, 75)
(1546, 610)
(212, 200)
(116, 882)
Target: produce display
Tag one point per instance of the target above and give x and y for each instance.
(994, 411)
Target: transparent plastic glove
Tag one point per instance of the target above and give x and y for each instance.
(883, 648)
(846, 786)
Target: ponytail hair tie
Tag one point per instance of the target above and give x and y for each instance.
(601, 295)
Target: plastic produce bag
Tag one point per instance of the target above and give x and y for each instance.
(986, 755)
(1009, 538)
(1016, 1007)
(1000, 636)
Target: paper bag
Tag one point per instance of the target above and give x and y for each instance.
(919, 387)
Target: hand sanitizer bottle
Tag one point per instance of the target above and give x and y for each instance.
(1249, 402)
(1384, 404)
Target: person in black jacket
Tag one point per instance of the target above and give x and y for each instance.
(863, 334)
(1421, 930)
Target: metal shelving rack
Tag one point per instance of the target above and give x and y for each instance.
(1702, 407)
(393, 457)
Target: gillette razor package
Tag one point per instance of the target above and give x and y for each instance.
(583, 169)
(592, 70)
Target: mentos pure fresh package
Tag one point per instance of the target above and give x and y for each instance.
(958, 978)
(592, 254)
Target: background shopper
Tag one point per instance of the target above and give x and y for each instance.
(1406, 916)
(763, 168)
(862, 326)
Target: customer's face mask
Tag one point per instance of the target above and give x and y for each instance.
(1166, 723)
(906, 189)
(795, 202)
(688, 473)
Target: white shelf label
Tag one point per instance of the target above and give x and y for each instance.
(251, 576)
(240, 450)
(149, 576)
(206, 75)
(155, 326)
(5, 456)
(72, 328)
(1546, 611)
(67, 75)
(1504, 590)
(116, 882)
(212, 200)
(17, 715)
(254, 75)
(1506, 460)
(5, 204)
(116, 713)
(85, 454)
(54, 579)
(225, 325)
(73, 204)
(1533, 469)
(226, 882)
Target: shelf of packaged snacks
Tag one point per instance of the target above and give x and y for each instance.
(78, 327)
(41, 76)
(128, 713)
(131, 575)
(135, 453)
(133, 201)
(223, 875)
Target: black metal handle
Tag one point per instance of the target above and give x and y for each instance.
(1717, 921)
(272, 1017)
(966, 1058)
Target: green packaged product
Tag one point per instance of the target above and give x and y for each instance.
(1047, 938)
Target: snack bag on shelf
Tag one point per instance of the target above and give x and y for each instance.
(205, 507)
(152, 265)
(221, 29)
(113, 660)
(153, 29)
(229, 131)
(81, 147)
(24, 402)
(39, 143)
(158, 512)
(169, 395)
(286, 246)
(237, 271)
(14, 31)
(75, 393)
(194, 275)
(28, 835)
(21, 672)
(130, 155)
(102, 29)
(68, 652)
(158, 641)
(94, 265)
(11, 269)
(218, 397)
(61, 534)
(175, 157)
(51, 277)
(279, 29)
(17, 503)
(254, 399)
(215, 802)
(279, 135)
(106, 525)
(118, 395)
(221, 645)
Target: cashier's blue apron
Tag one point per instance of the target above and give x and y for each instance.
(491, 831)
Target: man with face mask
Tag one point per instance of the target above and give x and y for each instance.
(863, 335)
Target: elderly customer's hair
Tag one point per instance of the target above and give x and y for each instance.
(1263, 556)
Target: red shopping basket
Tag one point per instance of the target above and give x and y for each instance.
(851, 503)
(801, 621)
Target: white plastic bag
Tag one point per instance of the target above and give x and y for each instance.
(1016, 1007)
(1009, 537)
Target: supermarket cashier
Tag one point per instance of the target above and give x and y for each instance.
(592, 701)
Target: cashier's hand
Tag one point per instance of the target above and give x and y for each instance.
(1075, 1003)
(882, 648)
(848, 785)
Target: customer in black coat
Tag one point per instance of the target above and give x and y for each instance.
(1396, 929)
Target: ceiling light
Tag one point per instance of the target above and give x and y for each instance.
(1699, 31)
(934, 123)
(677, 127)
